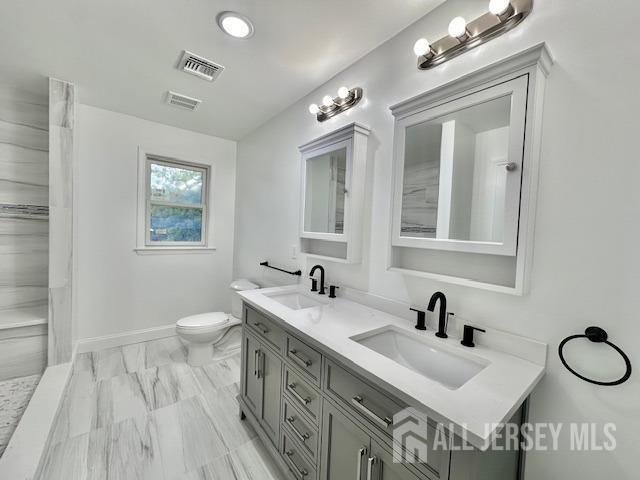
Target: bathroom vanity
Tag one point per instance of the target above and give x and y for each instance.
(325, 382)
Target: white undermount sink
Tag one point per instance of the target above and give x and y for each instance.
(295, 300)
(422, 356)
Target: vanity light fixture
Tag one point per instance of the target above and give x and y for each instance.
(327, 101)
(422, 47)
(501, 8)
(458, 29)
(503, 15)
(332, 106)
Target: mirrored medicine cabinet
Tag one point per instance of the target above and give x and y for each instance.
(465, 173)
(333, 177)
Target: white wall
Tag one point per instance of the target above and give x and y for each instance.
(118, 290)
(587, 262)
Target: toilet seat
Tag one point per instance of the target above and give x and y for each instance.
(203, 322)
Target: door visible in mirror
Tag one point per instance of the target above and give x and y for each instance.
(455, 174)
(325, 192)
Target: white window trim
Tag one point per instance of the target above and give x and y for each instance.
(143, 244)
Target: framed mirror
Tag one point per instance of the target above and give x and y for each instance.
(333, 179)
(326, 190)
(458, 171)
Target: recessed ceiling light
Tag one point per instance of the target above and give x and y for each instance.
(236, 25)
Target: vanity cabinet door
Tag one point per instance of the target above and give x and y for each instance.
(271, 372)
(252, 384)
(345, 447)
(382, 466)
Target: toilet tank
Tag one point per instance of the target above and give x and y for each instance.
(236, 302)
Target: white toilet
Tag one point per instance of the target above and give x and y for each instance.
(205, 331)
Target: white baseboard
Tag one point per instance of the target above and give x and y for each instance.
(119, 339)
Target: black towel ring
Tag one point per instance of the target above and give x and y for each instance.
(596, 335)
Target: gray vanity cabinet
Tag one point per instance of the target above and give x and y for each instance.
(348, 452)
(261, 388)
(384, 468)
(345, 447)
(271, 369)
(251, 384)
(322, 421)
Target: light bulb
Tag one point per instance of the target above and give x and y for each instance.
(498, 7)
(343, 92)
(314, 109)
(458, 27)
(327, 101)
(421, 47)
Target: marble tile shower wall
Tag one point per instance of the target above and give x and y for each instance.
(62, 107)
(24, 231)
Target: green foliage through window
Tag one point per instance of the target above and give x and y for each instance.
(176, 203)
(171, 224)
(176, 185)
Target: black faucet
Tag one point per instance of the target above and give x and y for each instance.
(421, 323)
(313, 270)
(442, 319)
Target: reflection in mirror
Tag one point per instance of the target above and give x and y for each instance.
(455, 174)
(325, 192)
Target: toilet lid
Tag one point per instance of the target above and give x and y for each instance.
(209, 319)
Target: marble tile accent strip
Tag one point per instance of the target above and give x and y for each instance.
(37, 212)
(14, 398)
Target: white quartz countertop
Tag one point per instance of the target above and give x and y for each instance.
(475, 410)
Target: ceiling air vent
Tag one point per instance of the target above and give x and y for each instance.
(199, 66)
(182, 101)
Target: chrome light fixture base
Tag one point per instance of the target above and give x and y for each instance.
(481, 30)
(340, 105)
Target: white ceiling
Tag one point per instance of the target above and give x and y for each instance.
(123, 53)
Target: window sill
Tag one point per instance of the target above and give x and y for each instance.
(173, 250)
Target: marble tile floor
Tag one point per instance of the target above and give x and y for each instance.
(141, 412)
(14, 398)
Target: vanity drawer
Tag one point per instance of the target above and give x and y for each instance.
(304, 357)
(297, 462)
(302, 394)
(265, 328)
(369, 404)
(300, 428)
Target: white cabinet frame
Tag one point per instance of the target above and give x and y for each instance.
(535, 63)
(353, 137)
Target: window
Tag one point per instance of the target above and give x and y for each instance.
(175, 203)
